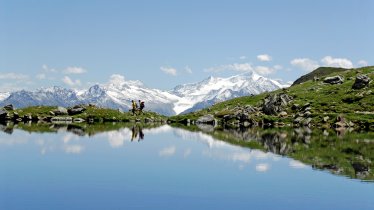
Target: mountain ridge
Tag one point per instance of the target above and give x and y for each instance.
(118, 93)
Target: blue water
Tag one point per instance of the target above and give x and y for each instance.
(169, 169)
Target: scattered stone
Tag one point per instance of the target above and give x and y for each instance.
(207, 119)
(306, 105)
(52, 113)
(60, 111)
(78, 120)
(27, 117)
(9, 107)
(325, 119)
(307, 114)
(307, 121)
(308, 109)
(359, 167)
(315, 79)
(61, 119)
(283, 114)
(15, 115)
(295, 107)
(361, 81)
(334, 80)
(298, 120)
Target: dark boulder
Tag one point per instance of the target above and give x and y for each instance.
(334, 80)
(361, 81)
(4, 115)
(76, 110)
(9, 107)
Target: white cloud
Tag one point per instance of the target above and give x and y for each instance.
(116, 79)
(74, 70)
(296, 164)
(264, 57)
(278, 67)
(263, 167)
(305, 64)
(336, 62)
(13, 76)
(168, 151)
(264, 70)
(188, 69)
(362, 63)
(187, 152)
(242, 67)
(242, 57)
(41, 76)
(72, 83)
(169, 70)
(47, 69)
(74, 149)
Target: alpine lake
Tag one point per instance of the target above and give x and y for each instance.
(160, 166)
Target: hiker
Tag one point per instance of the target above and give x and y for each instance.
(141, 103)
(134, 107)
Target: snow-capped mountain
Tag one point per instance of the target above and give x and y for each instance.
(214, 89)
(4, 95)
(118, 93)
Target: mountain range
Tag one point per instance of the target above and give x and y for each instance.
(119, 92)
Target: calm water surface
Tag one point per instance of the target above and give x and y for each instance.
(170, 168)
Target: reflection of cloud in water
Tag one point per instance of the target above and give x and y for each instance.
(117, 138)
(297, 164)
(158, 130)
(74, 149)
(222, 150)
(262, 167)
(167, 151)
(15, 138)
(205, 138)
(187, 152)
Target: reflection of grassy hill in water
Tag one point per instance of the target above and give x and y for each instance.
(349, 154)
(326, 103)
(80, 129)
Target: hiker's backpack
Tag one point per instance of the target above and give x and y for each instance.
(142, 104)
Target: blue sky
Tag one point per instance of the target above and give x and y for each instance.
(77, 43)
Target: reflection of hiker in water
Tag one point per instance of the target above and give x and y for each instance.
(134, 132)
(137, 129)
(141, 134)
(141, 106)
(134, 107)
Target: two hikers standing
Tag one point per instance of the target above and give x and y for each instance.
(136, 108)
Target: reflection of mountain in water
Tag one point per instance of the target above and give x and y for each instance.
(340, 152)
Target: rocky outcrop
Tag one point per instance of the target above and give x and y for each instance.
(3, 114)
(60, 111)
(273, 104)
(334, 80)
(207, 119)
(361, 81)
(9, 107)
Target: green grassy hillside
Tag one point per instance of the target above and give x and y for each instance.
(326, 100)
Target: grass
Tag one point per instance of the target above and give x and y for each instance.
(325, 99)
